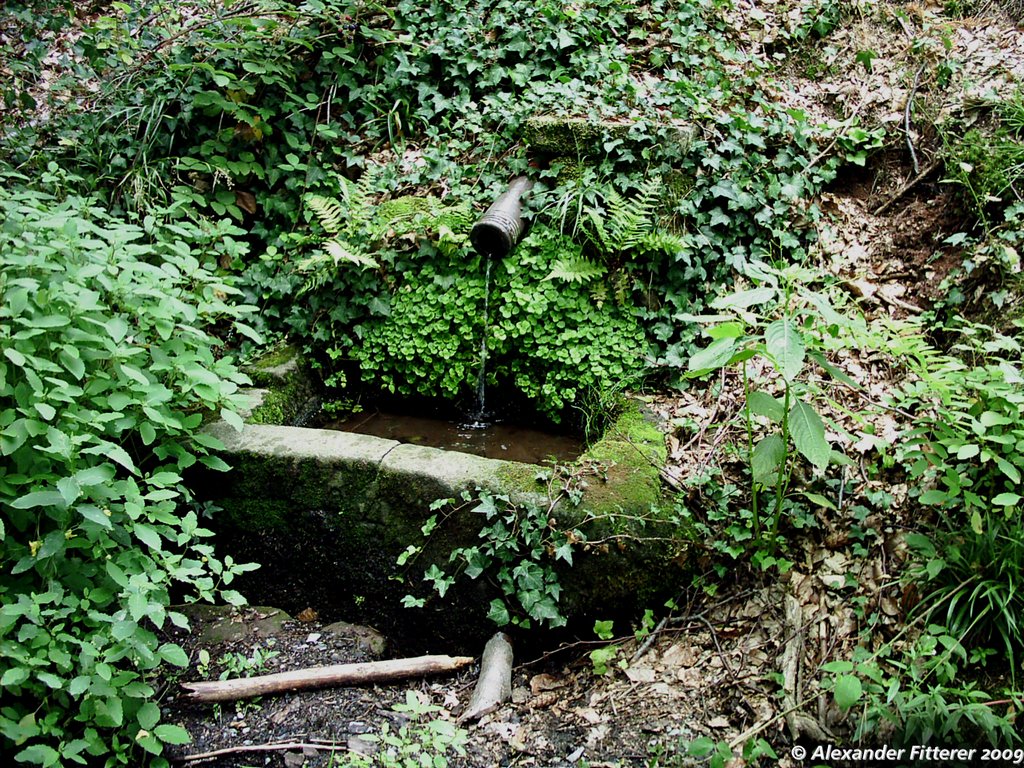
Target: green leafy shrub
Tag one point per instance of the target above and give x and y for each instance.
(550, 341)
(106, 374)
(964, 450)
(774, 322)
(914, 692)
(971, 584)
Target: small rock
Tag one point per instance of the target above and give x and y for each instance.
(520, 695)
(294, 759)
(357, 726)
(313, 637)
(575, 755)
(361, 746)
(367, 638)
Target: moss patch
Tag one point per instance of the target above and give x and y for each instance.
(288, 383)
(633, 451)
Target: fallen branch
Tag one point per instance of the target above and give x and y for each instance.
(799, 723)
(322, 677)
(495, 684)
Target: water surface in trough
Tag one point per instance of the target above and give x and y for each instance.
(495, 441)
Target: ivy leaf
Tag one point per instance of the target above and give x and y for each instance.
(498, 613)
(785, 345)
(809, 434)
(766, 459)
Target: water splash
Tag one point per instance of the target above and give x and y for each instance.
(479, 416)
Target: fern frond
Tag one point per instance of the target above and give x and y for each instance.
(575, 269)
(631, 219)
(330, 213)
(663, 241)
(340, 252)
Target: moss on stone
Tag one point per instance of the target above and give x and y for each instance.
(288, 383)
(269, 367)
(633, 452)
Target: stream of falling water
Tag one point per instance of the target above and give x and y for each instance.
(479, 418)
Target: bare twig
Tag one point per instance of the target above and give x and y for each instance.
(928, 171)
(272, 747)
(649, 640)
(906, 118)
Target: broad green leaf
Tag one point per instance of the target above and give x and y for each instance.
(231, 418)
(39, 754)
(808, 434)
(172, 734)
(817, 498)
(45, 410)
(785, 345)
(117, 328)
(69, 490)
(148, 536)
(993, 419)
(968, 451)
(934, 496)
(95, 514)
(148, 715)
(744, 299)
(14, 676)
(1006, 499)
(766, 459)
(764, 404)
(15, 357)
(39, 499)
(733, 330)
(714, 356)
(173, 654)
(98, 475)
(1008, 469)
(847, 691)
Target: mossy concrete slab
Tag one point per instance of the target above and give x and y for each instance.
(342, 507)
(569, 136)
(216, 624)
(297, 443)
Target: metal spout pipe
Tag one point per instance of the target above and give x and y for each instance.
(502, 226)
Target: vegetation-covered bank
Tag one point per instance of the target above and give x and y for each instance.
(819, 290)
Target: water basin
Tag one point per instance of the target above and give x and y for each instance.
(494, 441)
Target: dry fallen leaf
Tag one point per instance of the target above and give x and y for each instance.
(544, 682)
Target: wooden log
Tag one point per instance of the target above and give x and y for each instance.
(494, 686)
(322, 677)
